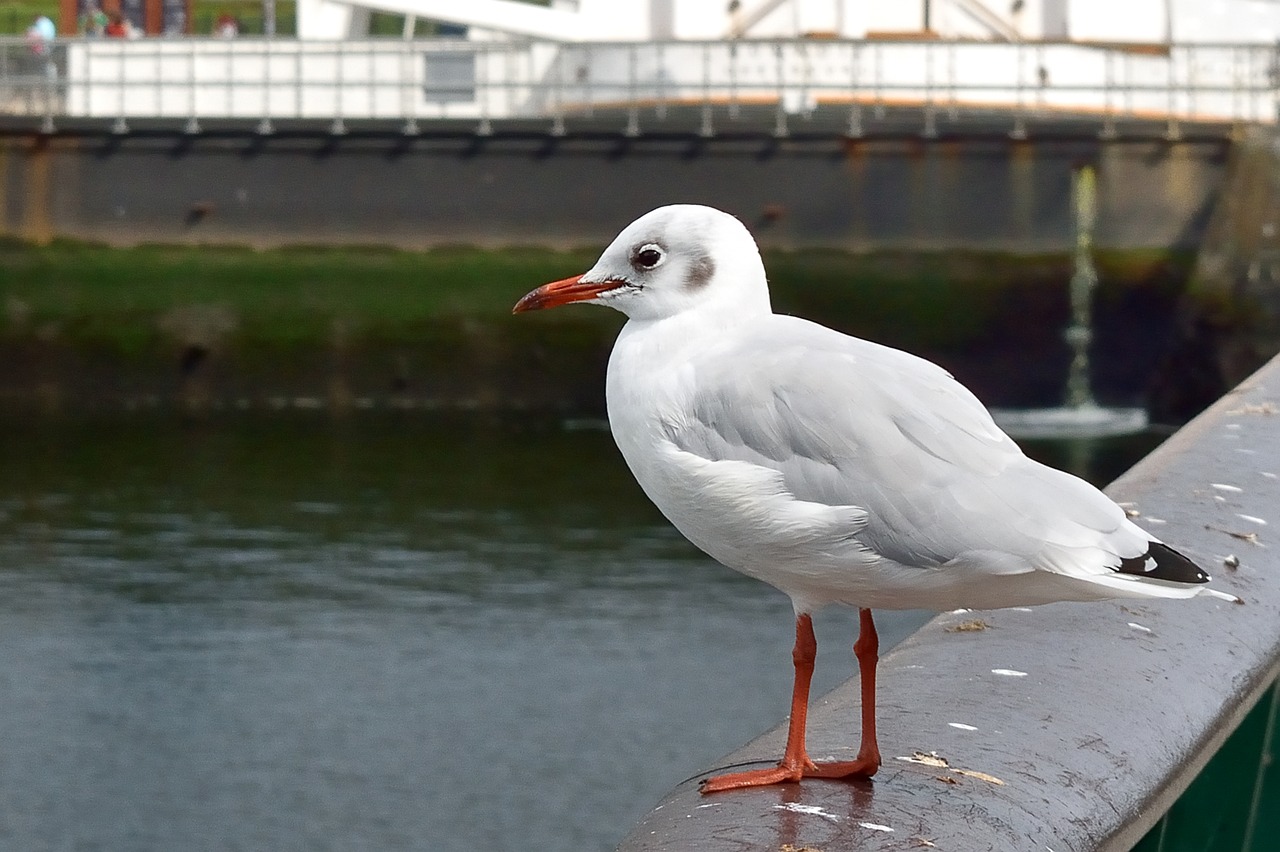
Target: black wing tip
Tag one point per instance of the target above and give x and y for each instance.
(1162, 562)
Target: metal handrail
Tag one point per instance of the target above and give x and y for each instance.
(411, 81)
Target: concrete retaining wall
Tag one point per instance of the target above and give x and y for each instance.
(414, 192)
(1228, 322)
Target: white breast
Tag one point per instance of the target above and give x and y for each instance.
(739, 513)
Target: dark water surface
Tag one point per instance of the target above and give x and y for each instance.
(386, 632)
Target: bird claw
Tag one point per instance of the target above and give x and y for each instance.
(789, 774)
(750, 778)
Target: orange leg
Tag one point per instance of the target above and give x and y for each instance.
(795, 763)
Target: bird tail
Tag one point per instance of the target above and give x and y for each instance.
(1161, 572)
(1162, 562)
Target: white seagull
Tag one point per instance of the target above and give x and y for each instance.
(835, 469)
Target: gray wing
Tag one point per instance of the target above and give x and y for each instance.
(851, 423)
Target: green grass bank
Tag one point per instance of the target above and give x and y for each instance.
(91, 325)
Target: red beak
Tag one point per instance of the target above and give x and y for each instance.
(562, 293)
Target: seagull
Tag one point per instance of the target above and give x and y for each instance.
(837, 470)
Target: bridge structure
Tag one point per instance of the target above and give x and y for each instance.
(640, 67)
(830, 123)
(777, 87)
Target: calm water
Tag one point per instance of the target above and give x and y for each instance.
(390, 632)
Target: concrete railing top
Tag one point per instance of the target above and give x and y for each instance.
(1120, 706)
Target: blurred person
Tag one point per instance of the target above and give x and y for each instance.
(93, 21)
(227, 26)
(40, 35)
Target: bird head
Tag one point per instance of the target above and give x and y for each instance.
(672, 260)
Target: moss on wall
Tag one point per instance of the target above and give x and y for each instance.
(228, 324)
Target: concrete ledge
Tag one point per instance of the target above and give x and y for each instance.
(1120, 706)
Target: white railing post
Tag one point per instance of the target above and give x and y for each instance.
(230, 84)
(633, 92)
(1193, 60)
(1274, 65)
(87, 53)
(735, 108)
(557, 109)
(1172, 131)
(953, 109)
(408, 93)
(372, 111)
(660, 80)
(339, 127)
(854, 128)
(1108, 116)
(705, 129)
(780, 118)
(1019, 131)
(1041, 77)
(265, 127)
(930, 129)
(193, 126)
(120, 126)
(1129, 93)
(877, 81)
(161, 83)
(297, 80)
(49, 72)
(586, 85)
(481, 61)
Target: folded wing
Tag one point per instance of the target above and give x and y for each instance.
(851, 423)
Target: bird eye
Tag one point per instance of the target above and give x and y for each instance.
(648, 257)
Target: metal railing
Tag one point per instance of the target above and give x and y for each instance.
(854, 82)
